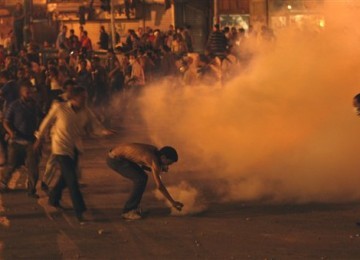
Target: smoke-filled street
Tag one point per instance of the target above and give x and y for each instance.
(180, 129)
(233, 230)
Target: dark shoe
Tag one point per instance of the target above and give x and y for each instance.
(56, 205)
(82, 185)
(81, 219)
(33, 195)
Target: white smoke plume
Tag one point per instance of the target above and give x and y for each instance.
(282, 130)
(186, 194)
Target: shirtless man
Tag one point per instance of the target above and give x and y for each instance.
(131, 161)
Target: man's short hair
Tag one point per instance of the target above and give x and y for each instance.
(54, 70)
(24, 84)
(170, 153)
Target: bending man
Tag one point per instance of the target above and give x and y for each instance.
(131, 161)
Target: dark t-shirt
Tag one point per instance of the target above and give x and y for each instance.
(10, 92)
(23, 117)
(18, 23)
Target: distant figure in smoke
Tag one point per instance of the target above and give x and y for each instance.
(217, 44)
(131, 161)
(356, 104)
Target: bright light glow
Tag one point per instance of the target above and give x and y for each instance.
(51, 7)
(289, 7)
(322, 23)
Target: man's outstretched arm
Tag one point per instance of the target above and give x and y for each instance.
(161, 187)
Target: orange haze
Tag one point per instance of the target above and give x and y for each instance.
(284, 129)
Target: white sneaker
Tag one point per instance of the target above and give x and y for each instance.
(131, 215)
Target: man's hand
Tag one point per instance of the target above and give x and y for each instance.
(178, 205)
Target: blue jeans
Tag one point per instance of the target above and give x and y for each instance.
(68, 178)
(136, 174)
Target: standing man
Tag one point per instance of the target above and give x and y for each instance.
(137, 78)
(101, 93)
(85, 42)
(61, 39)
(19, 19)
(131, 161)
(21, 121)
(9, 92)
(74, 41)
(69, 120)
(116, 73)
(217, 44)
(104, 39)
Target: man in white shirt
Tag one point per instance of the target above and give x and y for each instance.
(69, 120)
(61, 38)
(137, 78)
(51, 164)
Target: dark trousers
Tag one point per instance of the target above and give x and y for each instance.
(136, 174)
(18, 155)
(19, 35)
(3, 145)
(68, 178)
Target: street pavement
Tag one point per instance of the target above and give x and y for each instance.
(31, 229)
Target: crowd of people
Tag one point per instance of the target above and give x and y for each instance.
(39, 92)
(140, 57)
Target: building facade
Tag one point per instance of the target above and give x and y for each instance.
(46, 16)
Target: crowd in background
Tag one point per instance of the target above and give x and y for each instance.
(33, 78)
(137, 59)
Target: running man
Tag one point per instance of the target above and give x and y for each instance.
(69, 120)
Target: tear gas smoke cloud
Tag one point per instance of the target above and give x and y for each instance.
(283, 129)
(188, 195)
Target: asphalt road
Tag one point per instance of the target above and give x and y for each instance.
(31, 229)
